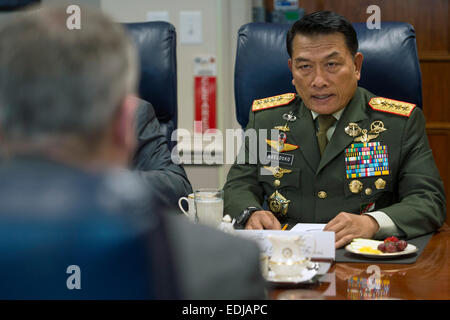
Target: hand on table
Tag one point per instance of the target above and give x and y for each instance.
(348, 226)
(262, 220)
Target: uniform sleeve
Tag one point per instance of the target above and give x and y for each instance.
(242, 188)
(387, 226)
(152, 159)
(421, 208)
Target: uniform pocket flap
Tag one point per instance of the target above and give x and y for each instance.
(368, 187)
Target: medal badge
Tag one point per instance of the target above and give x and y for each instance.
(280, 145)
(355, 186)
(278, 204)
(366, 159)
(380, 184)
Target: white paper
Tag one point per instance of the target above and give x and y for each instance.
(308, 227)
(325, 248)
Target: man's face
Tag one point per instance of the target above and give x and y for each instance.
(325, 74)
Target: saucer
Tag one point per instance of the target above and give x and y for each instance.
(306, 275)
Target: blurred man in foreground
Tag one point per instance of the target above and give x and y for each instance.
(74, 223)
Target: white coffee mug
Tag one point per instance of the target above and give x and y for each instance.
(191, 206)
(290, 254)
(264, 263)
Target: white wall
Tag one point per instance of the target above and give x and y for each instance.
(93, 3)
(220, 21)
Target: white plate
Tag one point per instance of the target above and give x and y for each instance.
(356, 245)
(306, 275)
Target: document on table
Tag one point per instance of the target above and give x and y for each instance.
(324, 240)
(307, 227)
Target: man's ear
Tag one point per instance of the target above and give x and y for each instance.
(290, 68)
(358, 60)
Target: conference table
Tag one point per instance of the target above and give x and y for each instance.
(427, 278)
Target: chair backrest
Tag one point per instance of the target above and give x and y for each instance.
(390, 69)
(156, 44)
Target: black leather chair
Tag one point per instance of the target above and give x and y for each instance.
(390, 68)
(156, 43)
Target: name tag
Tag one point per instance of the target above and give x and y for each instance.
(286, 159)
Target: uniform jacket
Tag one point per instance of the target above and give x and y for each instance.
(318, 188)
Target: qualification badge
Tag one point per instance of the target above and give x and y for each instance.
(278, 204)
(277, 171)
(377, 127)
(288, 117)
(353, 130)
(364, 135)
(281, 146)
(284, 128)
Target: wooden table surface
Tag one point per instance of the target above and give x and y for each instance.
(427, 278)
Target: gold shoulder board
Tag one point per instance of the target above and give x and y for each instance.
(392, 106)
(272, 102)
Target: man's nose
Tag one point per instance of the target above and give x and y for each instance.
(319, 80)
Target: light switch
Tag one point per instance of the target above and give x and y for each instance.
(191, 27)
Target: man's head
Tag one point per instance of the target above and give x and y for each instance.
(324, 61)
(61, 86)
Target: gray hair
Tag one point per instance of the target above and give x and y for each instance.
(56, 81)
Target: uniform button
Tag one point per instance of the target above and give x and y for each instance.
(322, 194)
(276, 183)
(368, 191)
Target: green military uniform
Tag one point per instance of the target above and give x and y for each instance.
(309, 188)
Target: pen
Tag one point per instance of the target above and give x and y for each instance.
(284, 228)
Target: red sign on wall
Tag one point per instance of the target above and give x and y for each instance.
(205, 102)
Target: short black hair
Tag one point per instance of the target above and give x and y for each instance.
(320, 23)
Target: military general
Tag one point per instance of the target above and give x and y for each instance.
(359, 163)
